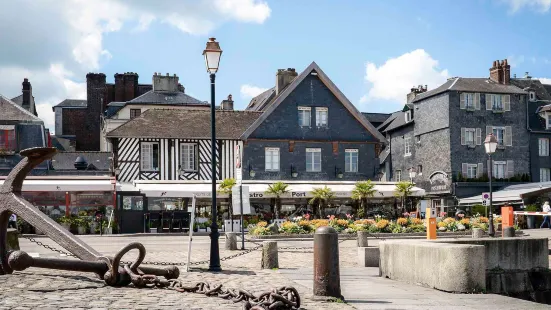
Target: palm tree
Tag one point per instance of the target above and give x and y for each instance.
(225, 187)
(362, 191)
(277, 189)
(321, 196)
(403, 190)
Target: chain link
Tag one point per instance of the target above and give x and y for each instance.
(47, 246)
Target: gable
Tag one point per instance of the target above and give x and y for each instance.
(311, 89)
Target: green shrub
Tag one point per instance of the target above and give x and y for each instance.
(532, 208)
(478, 209)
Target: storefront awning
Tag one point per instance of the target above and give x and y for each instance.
(258, 189)
(67, 185)
(511, 194)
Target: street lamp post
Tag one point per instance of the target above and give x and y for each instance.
(212, 55)
(412, 174)
(490, 144)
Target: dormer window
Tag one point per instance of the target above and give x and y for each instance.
(545, 113)
(532, 96)
(408, 116)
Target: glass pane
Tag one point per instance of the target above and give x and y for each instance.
(132, 203)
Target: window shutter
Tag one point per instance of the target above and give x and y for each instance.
(489, 130)
(479, 170)
(488, 102)
(462, 101)
(510, 169)
(463, 136)
(477, 101)
(478, 136)
(506, 102)
(508, 136)
(464, 168)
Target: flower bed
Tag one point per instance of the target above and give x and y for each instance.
(305, 226)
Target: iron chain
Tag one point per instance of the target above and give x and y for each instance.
(47, 246)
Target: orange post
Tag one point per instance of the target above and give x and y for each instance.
(431, 225)
(507, 219)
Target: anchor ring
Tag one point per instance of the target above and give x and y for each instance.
(113, 276)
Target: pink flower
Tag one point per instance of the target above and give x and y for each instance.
(442, 214)
(307, 216)
(461, 215)
(348, 216)
(406, 214)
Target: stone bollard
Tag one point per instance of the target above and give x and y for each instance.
(478, 233)
(231, 241)
(327, 280)
(508, 232)
(362, 239)
(269, 255)
(13, 239)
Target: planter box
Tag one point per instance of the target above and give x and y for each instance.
(108, 231)
(93, 227)
(81, 230)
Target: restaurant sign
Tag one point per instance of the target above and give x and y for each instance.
(439, 182)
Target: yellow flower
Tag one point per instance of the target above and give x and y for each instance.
(441, 224)
(342, 222)
(304, 223)
(262, 224)
(483, 219)
(382, 224)
(402, 221)
(320, 223)
(449, 220)
(416, 221)
(288, 224)
(465, 221)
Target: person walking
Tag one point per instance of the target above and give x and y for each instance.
(546, 218)
(12, 222)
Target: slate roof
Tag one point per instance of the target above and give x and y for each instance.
(185, 124)
(482, 85)
(533, 84)
(388, 121)
(66, 160)
(113, 108)
(260, 102)
(11, 111)
(168, 98)
(398, 121)
(383, 156)
(547, 88)
(73, 103)
(378, 118)
(19, 100)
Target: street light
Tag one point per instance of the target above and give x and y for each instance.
(490, 144)
(412, 173)
(212, 55)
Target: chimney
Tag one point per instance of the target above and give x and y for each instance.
(227, 104)
(27, 96)
(506, 72)
(284, 78)
(126, 86)
(81, 163)
(165, 83)
(414, 91)
(500, 72)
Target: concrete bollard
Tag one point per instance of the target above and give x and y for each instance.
(269, 255)
(508, 232)
(231, 241)
(13, 239)
(362, 239)
(327, 281)
(478, 233)
(368, 256)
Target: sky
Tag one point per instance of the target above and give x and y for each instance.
(374, 51)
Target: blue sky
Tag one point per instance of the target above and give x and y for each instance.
(374, 51)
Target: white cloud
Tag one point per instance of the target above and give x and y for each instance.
(544, 80)
(393, 80)
(250, 91)
(56, 42)
(541, 6)
(515, 61)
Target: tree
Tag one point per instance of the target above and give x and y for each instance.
(277, 189)
(362, 191)
(321, 196)
(403, 190)
(225, 187)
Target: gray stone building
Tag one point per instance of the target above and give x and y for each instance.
(440, 133)
(308, 131)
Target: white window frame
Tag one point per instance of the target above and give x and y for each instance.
(532, 96)
(408, 116)
(302, 113)
(495, 171)
(495, 131)
(545, 175)
(271, 153)
(149, 166)
(548, 120)
(319, 118)
(398, 175)
(472, 171)
(543, 147)
(473, 131)
(497, 104)
(188, 162)
(407, 146)
(313, 153)
(351, 160)
(469, 101)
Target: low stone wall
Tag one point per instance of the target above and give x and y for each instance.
(433, 264)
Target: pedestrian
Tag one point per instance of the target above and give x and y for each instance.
(12, 222)
(546, 218)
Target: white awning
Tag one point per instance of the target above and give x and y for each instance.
(512, 194)
(7, 127)
(67, 185)
(257, 190)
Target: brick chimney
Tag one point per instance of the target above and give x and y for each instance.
(284, 78)
(500, 72)
(27, 96)
(227, 104)
(126, 86)
(166, 83)
(414, 91)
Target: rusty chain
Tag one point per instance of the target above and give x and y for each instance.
(47, 246)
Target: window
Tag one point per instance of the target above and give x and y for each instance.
(499, 170)
(420, 169)
(543, 146)
(188, 157)
(313, 160)
(7, 139)
(532, 96)
(418, 139)
(544, 175)
(272, 158)
(499, 132)
(321, 117)
(469, 136)
(497, 104)
(149, 156)
(135, 113)
(407, 146)
(469, 100)
(304, 116)
(408, 116)
(398, 175)
(548, 121)
(351, 160)
(472, 171)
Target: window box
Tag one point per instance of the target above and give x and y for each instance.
(500, 147)
(471, 146)
(498, 111)
(470, 109)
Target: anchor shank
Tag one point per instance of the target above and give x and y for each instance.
(20, 260)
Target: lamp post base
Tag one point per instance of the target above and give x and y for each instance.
(214, 265)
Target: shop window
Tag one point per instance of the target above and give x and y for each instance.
(134, 203)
